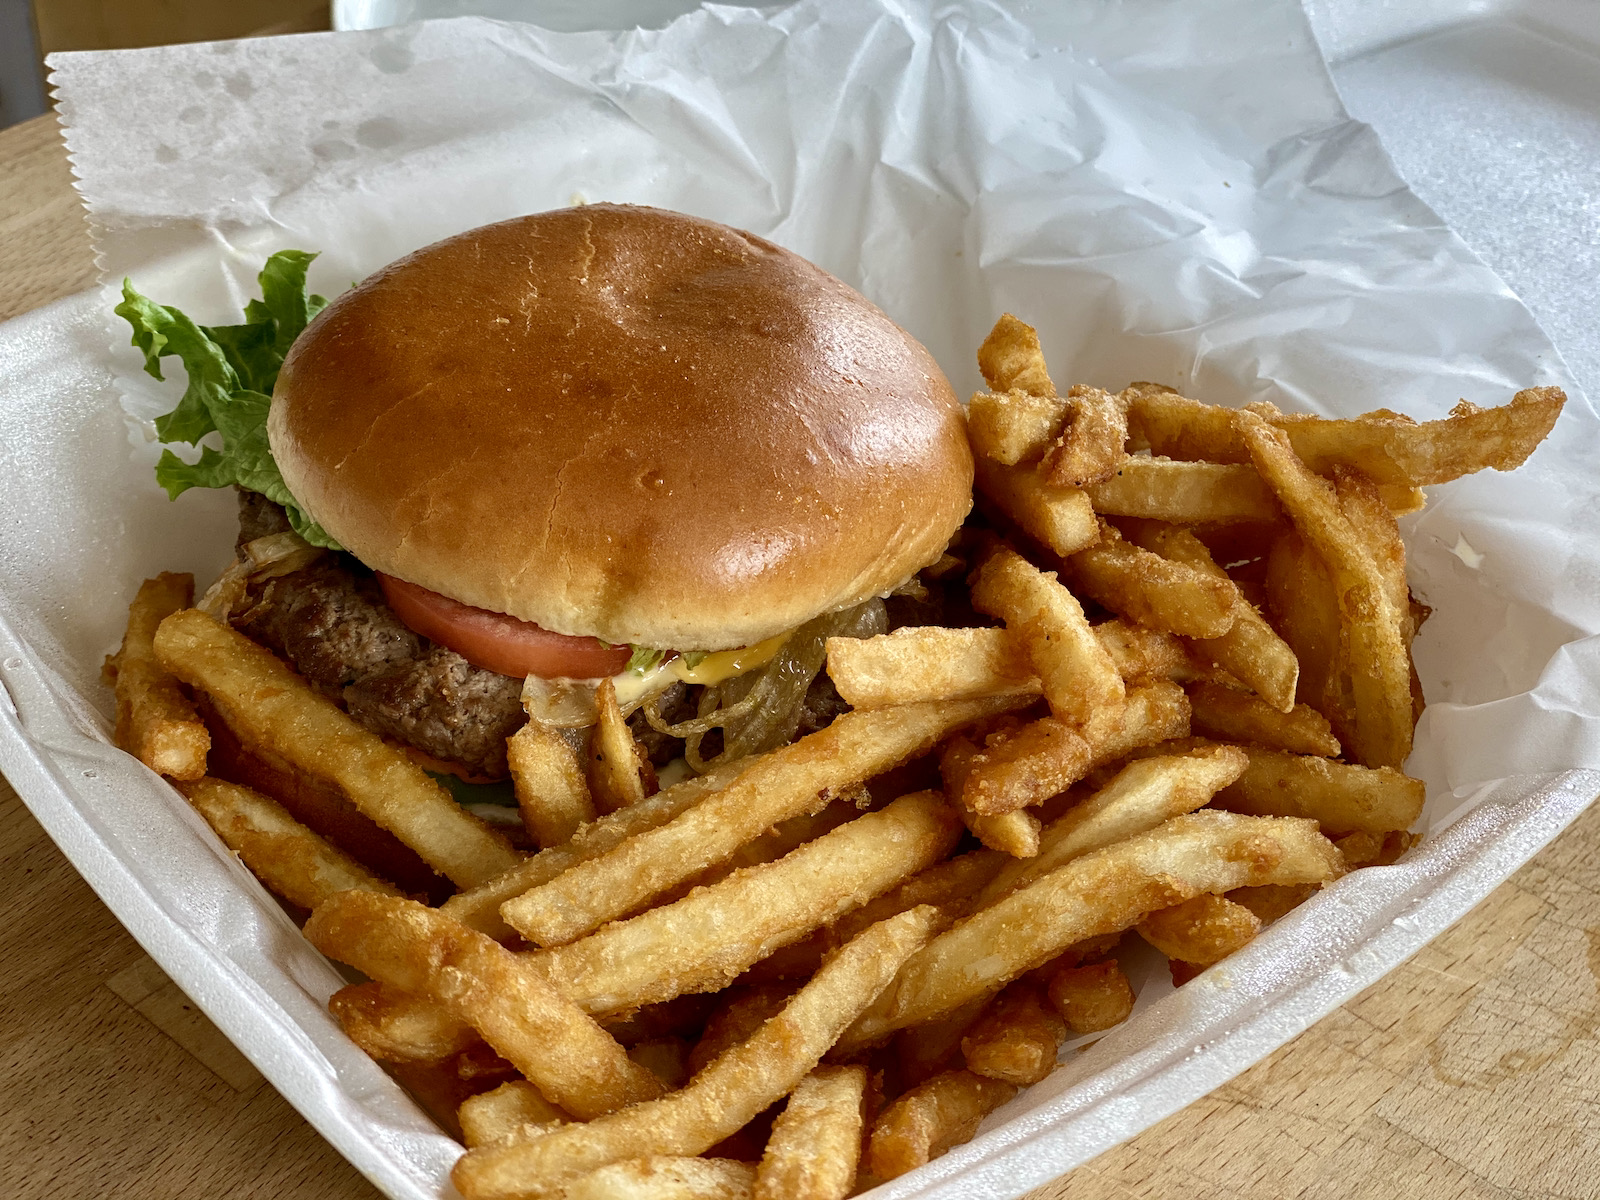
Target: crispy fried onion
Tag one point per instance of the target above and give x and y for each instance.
(264, 558)
(761, 709)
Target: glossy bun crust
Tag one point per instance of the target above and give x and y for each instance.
(623, 422)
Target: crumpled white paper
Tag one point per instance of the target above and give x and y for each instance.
(1168, 191)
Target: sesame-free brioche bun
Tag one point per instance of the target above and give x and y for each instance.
(627, 423)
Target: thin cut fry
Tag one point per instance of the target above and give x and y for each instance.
(1059, 518)
(268, 705)
(551, 791)
(666, 1177)
(1015, 426)
(1200, 931)
(1305, 611)
(1010, 357)
(1234, 716)
(930, 1119)
(1024, 767)
(1184, 493)
(1342, 797)
(1015, 833)
(282, 853)
(1378, 661)
(399, 1026)
(156, 722)
(743, 1010)
(707, 939)
(815, 1144)
(544, 1035)
(781, 784)
(1092, 997)
(1092, 446)
(617, 768)
(1099, 893)
(722, 1098)
(933, 1047)
(1080, 680)
(1153, 591)
(1017, 1038)
(506, 1112)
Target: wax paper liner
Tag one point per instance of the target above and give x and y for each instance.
(1168, 191)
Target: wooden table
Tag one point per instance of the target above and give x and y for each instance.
(1472, 1071)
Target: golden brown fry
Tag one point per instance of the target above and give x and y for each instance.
(551, 791)
(1093, 997)
(506, 1112)
(1099, 893)
(399, 1026)
(1342, 797)
(707, 939)
(1093, 445)
(723, 1097)
(1023, 767)
(268, 706)
(1376, 656)
(1200, 931)
(156, 722)
(1059, 518)
(479, 907)
(1272, 901)
(1390, 448)
(1015, 426)
(282, 853)
(1305, 611)
(1143, 794)
(1010, 357)
(1080, 681)
(1251, 650)
(618, 770)
(930, 1119)
(815, 1144)
(1017, 1038)
(743, 1010)
(1375, 525)
(1234, 716)
(923, 1051)
(1184, 493)
(951, 886)
(666, 1177)
(543, 1034)
(1014, 833)
(1151, 590)
(774, 787)
(1142, 655)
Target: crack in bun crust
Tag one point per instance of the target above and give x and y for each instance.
(624, 422)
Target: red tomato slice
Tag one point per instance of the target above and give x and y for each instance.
(497, 642)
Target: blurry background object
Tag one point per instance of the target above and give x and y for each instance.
(30, 29)
(569, 16)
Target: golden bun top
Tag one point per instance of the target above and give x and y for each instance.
(627, 423)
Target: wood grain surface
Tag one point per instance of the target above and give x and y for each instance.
(1470, 1073)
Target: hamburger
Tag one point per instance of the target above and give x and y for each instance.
(605, 442)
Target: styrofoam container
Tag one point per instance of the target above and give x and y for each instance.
(1169, 191)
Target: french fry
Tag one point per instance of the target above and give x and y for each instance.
(666, 1177)
(950, 886)
(1271, 901)
(1142, 796)
(479, 907)
(156, 722)
(1101, 892)
(1251, 649)
(285, 855)
(1017, 1038)
(1014, 833)
(1375, 525)
(815, 1144)
(1015, 426)
(1342, 797)
(922, 1051)
(1059, 518)
(778, 785)
(667, 1058)
(1231, 715)
(1079, 678)
(1184, 493)
(618, 771)
(707, 939)
(1151, 590)
(1200, 931)
(1092, 446)
(1142, 655)
(1023, 767)
(268, 705)
(544, 1035)
(1010, 357)
(1391, 449)
(723, 1097)
(1305, 611)
(552, 793)
(931, 1118)
(505, 1112)
(399, 1026)
(1377, 659)
(743, 1010)
(1092, 997)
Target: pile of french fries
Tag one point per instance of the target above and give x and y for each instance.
(820, 967)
